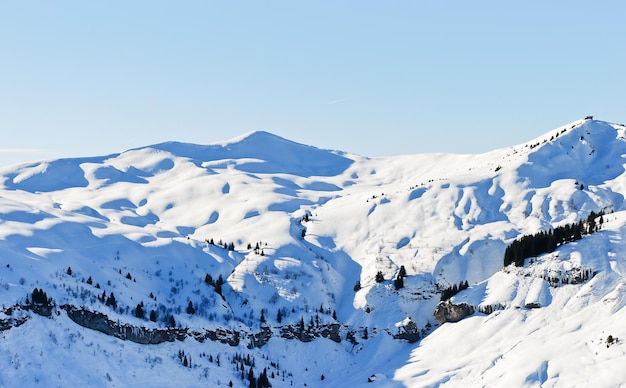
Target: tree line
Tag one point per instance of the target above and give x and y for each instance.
(533, 245)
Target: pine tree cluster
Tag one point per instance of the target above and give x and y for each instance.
(208, 279)
(229, 246)
(39, 297)
(453, 290)
(546, 242)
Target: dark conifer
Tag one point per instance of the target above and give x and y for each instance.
(546, 242)
(402, 272)
(251, 379)
(399, 282)
(139, 311)
(218, 285)
(190, 309)
(111, 301)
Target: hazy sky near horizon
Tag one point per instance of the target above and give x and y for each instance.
(375, 78)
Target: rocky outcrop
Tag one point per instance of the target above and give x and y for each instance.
(6, 324)
(45, 310)
(450, 312)
(141, 335)
(408, 331)
(224, 336)
(331, 332)
(259, 339)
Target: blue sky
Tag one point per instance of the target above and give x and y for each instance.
(375, 78)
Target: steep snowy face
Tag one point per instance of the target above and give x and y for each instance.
(296, 232)
(456, 222)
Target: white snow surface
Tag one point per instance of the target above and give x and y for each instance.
(323, 220)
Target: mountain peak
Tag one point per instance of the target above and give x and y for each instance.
(271, 154)
(256, 136)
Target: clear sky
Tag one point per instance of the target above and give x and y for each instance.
(377, 78)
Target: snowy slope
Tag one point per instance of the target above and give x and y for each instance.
(140, 223)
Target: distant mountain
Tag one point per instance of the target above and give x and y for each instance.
(296, 265)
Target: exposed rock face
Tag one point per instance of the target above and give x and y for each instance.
(408, 331)
(307, 335)
(6, 324)
(39, 309)
(450, 312)
(224, 336)
(259, 339)
(141, 335)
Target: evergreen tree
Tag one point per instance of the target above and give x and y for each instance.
(69, 271)
(263, 381)
(279, 316)
(379, 277)
(399, 282)
(111, 301)
(153, 316)
(40, 297)
(139, 311)
(190, 309)
(218, 288)
(251, 379)
(546, 242)
(402, 272)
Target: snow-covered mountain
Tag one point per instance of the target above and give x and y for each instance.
(260, 256)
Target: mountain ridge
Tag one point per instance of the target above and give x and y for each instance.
(304, 237)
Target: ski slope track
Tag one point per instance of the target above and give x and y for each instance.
(267, 259)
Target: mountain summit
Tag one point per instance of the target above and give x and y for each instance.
(184, 264)
(267, 153)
